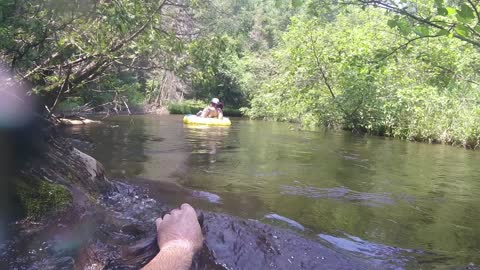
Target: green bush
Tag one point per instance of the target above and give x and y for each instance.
(186, 107)
(356, 79)
(232, 112)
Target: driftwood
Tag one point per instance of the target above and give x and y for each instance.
(75, 122)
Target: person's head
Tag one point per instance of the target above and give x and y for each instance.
(214, 102)
(219, 106)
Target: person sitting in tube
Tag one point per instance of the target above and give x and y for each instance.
(214, 110)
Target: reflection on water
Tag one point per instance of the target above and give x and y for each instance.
(205, 141)
(408, 195)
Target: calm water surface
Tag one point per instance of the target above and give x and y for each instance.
(352, 192)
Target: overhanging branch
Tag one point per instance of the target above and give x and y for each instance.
(419, 19)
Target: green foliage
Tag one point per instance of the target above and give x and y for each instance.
(63, 47)
(42, 198)
(457, 19)
(186, 107)
(230, 59)
(232, 112)
(408, 71)
(211, 78)
(340, 73)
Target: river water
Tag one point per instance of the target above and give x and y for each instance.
(361, 194)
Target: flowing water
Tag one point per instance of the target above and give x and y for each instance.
(358, 194)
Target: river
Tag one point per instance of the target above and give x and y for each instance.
(361, 194)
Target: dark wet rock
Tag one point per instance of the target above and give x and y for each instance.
(81, 142)
(249, 244)
(64, 164)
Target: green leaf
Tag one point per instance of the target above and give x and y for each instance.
(392, 23)
(451, 11)
(442, 11)
(465, 14)
(443, 32)
(477, 28)
(404, 27)
(462, 31)
(297, 3)
(439, 3)
(422, 31)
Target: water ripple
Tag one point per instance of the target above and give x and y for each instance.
(356, 245)
(211, 197)
(290, 222)
(340, 193)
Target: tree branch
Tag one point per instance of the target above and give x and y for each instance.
(151, 67)
(404, 46)
(60, 91)
(397, 10)
(139, 31)
(319, 65)
(475, 9)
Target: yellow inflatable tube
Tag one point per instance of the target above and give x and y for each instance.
(195, 120)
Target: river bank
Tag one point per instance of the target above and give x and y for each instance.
(469, 144)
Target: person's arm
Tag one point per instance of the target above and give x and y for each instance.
(179, 237)
(220, 114)
(205, 112)
(171, 258)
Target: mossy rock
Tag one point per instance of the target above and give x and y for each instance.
(41, 198)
